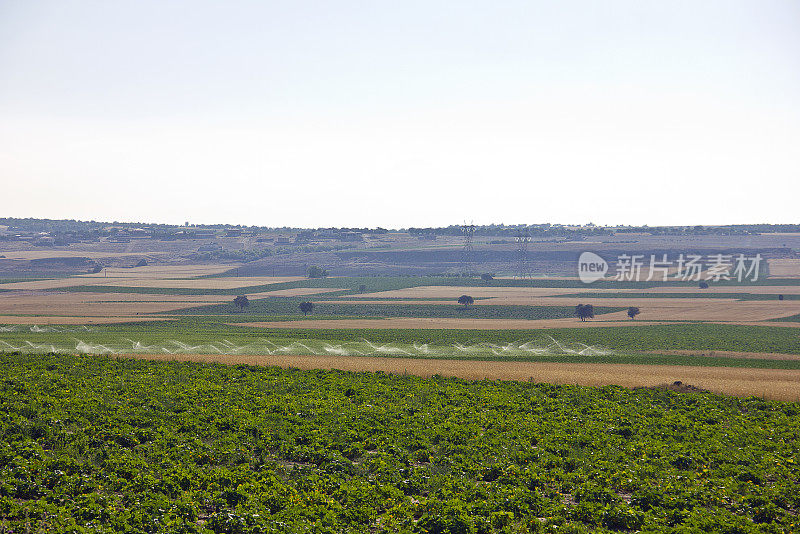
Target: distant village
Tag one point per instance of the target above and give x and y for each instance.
(47, 233)
(44, 233)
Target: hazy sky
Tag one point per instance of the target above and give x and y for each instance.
(403, 113)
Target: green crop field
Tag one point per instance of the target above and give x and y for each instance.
(289, 306)
(793, 318)
(93, 444)
(204, 335)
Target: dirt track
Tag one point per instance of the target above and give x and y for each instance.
(778, 384)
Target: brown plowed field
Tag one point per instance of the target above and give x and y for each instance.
(150, 279)
(454, 292)
(93, 254)
(57, 283)
(202, 283)
(784, 268)
(97, 304)
(92, 304)
(45, 320)
(752, 290)
(297, 291)
(163, 271)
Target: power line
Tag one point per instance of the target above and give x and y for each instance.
(468, 230)
(523, 238)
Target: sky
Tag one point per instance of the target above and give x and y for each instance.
(400, 114)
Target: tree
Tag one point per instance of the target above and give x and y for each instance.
(466, 300)
(242, 302)
(633, 311)
(317, 272)
(703, 285)
(780, 297)
(486, 277)
(584, 311)
(306, 307)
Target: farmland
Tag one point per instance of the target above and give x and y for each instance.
(142, 399)
(399, 267)
(179, 310)
(197, 330)
(132, 446)
(701, 354)
(146, 291)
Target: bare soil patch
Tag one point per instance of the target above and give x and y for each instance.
(100, 304)
(398, 301)
(784, 268)
(163, 271)
(159, 276)
(57, 283)
(92, 254)
(97, 304)
(298, 291)
(456, 291)
(45, 320)
(203, 283)
(751, 290)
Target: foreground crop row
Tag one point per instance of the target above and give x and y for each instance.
(131, 446)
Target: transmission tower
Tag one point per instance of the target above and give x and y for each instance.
(468, 230)
(523, 238)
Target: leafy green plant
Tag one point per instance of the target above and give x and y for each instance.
(94, 443)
